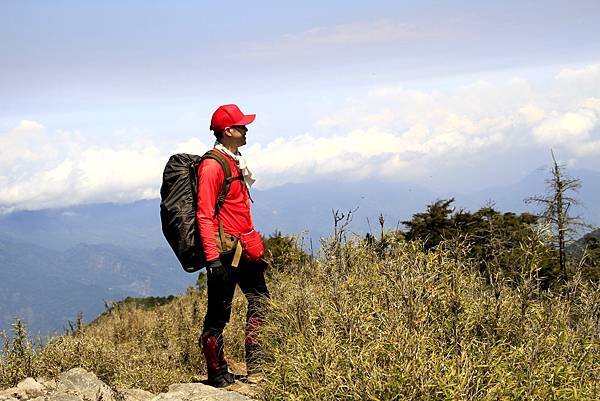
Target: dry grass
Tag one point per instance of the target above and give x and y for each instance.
(130, 346)
(358, 325)
(426, 326)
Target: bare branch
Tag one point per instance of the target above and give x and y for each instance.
(556, 204)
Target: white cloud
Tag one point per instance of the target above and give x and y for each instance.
(387, 131)
(26, 142)
(408, 134)
(576, 129)
(532, 113)
(192, 146)
(579, 82)
(566, 128)
(586, 73)
(365, 152)
(26, 125)
(35, 174)
(592, 104)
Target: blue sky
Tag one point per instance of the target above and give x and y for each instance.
(95, 96)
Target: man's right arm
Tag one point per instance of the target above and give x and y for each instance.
(210, 181)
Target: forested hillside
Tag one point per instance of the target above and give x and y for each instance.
(48, 288)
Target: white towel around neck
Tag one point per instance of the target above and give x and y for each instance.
(249, 177)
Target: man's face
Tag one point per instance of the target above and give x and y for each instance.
(238, 134)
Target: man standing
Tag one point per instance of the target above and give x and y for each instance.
(221, 222)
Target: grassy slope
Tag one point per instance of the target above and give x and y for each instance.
(357, 325)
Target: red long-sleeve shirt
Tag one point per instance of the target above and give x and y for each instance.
(235, 212)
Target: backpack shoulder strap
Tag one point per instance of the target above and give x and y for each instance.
(218, 156)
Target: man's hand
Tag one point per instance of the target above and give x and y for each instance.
(217, 272)
(263, 264)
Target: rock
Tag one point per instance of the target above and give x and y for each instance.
(64, 397)
(198, 392)
(31, 388)
(12, 393)
(49, 385)
(84, 384)
(80, 385)
(7, 392)
(135, 394)
(247, 389)
(196, 388)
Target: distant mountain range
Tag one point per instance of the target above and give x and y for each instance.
(58, 262)
(47, 288)
(134, 224)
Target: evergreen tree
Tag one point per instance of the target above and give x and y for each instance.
(432, 226)
(497, 241)
(281, 250)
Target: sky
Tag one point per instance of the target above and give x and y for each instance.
(452, 95)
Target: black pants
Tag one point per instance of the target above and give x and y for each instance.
(250, 277)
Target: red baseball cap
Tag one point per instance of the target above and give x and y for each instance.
(229, 115)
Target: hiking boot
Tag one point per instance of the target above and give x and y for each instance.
(221, 380)
(216, 365)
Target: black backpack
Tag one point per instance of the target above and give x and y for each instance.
(179, 199)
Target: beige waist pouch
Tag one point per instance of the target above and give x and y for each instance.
(227, 243)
